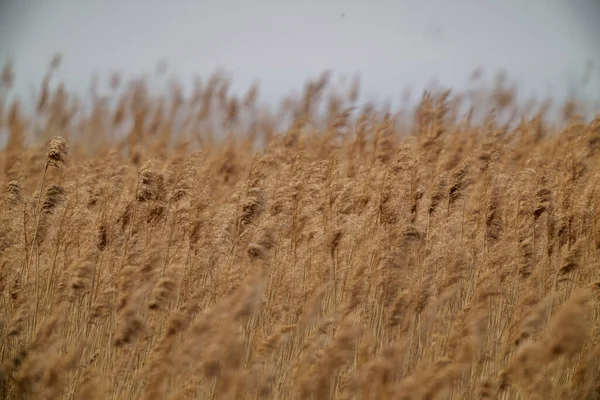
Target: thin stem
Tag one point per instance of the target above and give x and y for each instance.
(162, 231)
(56, 251)
(129, 235)
(37, 223)
(37, 289)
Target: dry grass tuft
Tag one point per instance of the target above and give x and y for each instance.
(195, 247)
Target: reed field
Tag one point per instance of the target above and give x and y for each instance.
(172, 245)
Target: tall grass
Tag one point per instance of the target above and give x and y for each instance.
(182, 247)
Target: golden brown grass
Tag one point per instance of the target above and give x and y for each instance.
(356, 255)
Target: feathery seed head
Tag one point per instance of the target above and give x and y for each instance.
(150, 183)
(13, 193)
(55, 195)
(57, 152)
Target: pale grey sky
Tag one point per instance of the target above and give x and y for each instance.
(392, 44)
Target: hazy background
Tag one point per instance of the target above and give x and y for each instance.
(545, 44)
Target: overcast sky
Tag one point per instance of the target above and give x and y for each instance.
(392, 44)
